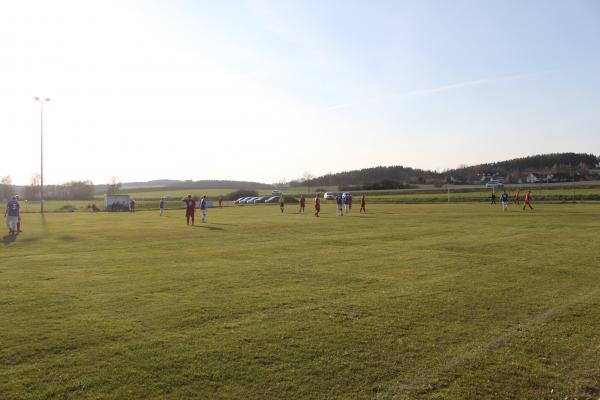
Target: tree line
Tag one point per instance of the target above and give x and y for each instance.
(74, 190)
(397, 174)
(564, 166)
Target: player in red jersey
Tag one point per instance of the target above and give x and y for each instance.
(527, 200)
(362, 204)
(302, 204)
(517, 198)
(190, 208)
(317, 205)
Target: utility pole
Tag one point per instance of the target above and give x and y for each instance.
(42, 101)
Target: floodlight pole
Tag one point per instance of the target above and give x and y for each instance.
(41, 100)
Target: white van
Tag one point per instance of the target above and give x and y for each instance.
(494, 184)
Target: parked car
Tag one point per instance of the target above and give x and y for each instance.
(250, 200)
(260, 199)
(240, 200)
(276, 192)
(273, 199)
(494, 184)
(328, 196)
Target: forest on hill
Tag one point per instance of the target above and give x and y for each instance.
(554, 167)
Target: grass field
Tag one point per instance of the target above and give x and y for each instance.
(553, 194)
(446, 301)
(458, 194)
(147, 199)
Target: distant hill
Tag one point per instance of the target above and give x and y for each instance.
(560, 165)
(189, 184)
(220, 184)
(396, 173)
(157, 183)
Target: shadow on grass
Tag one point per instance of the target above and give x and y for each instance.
(44, 223)
(347, 215)
(212, 228)
(30, 239)
(8, 239)
(68, 238)
(222, 223)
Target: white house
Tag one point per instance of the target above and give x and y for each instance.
(531, 178)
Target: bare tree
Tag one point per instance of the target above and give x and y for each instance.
(306, 178)
(113, 185)
(282, 183)
(7, 189)
(33, 191)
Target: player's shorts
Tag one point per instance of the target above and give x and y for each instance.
(203, 212)
(189, 213)
(318, 208)
(11, 222)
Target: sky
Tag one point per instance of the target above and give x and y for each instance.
(271, 90)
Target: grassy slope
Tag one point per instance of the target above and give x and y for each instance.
(155, 194)
(406, 196)
(410, 301)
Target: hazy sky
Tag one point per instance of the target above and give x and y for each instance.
(269, 90)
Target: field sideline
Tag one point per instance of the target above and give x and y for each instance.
(423, 301)
(148, 199)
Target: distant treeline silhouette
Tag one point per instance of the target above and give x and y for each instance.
(187, 184)
(397, 174)
(74, 190)
(562, 165)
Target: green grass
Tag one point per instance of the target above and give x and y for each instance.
(148, 199)
(582, 191)
(452, 301)
(554, 194)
